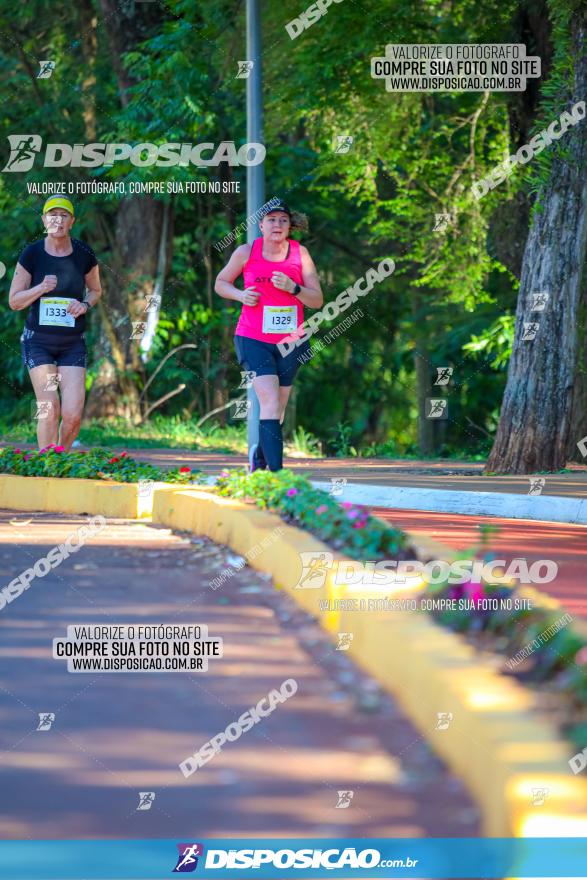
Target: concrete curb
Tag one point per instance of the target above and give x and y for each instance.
(543, 508)
(59, 495)
(496, 740)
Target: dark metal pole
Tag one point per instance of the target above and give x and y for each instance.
(255, 173)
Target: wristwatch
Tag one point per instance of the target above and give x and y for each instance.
(296, 291)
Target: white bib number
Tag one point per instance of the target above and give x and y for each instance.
(279, 319)
(53, 312)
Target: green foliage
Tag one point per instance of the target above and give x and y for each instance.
(97, 464)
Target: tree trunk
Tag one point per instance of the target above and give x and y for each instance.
(131, 278)
(535, 427)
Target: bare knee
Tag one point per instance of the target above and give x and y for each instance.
(48, 411)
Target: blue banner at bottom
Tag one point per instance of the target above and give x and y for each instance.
(276, 858)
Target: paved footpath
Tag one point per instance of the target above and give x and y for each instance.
(120, 733)
(453, 475)
(563, 543)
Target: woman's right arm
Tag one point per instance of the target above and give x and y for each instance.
(224, 284)
(21, 294)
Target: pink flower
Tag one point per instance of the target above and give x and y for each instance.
(352, 514)
(581, 656)
(346, 504)
(185, 470)
(291, 492)
(322, 509)
(59, 449)
(224, 473)
(26, 458)
(475, 591)
(17, 450)
(359, 524)
(50, 446)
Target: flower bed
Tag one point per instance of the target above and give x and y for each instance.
(96, 464)
(557, 665)
(540, 645)
(348, 528)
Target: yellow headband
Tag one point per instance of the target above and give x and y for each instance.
(58, 202)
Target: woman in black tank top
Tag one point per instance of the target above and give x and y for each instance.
(58, 280)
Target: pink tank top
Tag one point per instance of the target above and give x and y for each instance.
(274, 307)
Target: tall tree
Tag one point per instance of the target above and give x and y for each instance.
(544, 375)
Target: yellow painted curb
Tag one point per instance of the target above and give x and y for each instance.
(59, 495)
(486, 726)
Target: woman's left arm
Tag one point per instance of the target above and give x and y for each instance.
(92, 295)
(311, 292)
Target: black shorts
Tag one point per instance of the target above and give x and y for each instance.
(64, 351)
(265, 359)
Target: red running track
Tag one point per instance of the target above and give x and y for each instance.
(563, 543)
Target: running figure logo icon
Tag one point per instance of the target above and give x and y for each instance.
(444, 719)
(337, 487)
(153, 303)
(46, 69)
(244, 69)
(436, 408)
(188, 857)
(146, 799)
(46, 719)
(537, 484)
(241, 409)
(530, 330)
(344, 144)
(443, 375)
(344, 641)
(539, 302)
(247, 377)
(24, 148)
(539, 796)
(441, 222)
(344, 799)
(315, 567)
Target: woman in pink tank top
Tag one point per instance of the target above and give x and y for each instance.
(280, 278)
